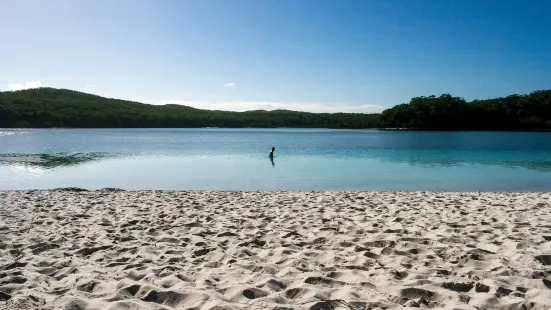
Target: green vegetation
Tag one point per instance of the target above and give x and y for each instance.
(515, 112)
(49, 107)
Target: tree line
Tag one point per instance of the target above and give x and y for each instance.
(50, 107)
(514, 112)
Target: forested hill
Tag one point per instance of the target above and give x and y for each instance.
(50, 107)
(515, 112)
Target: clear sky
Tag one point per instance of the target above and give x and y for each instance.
(311, 55)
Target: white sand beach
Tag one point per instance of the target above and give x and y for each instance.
(69, 249)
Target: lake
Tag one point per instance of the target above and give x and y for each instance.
(306, 159)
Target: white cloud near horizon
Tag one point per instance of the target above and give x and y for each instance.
(240, 106)
(229, 84)
(27, 85)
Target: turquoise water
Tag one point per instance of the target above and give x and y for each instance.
(306, 159)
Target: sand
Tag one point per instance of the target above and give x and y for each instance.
(70, 249)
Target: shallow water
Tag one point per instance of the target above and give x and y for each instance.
(306, 159)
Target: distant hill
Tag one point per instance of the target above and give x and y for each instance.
(50, 107)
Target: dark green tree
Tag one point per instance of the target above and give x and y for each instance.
(514, 112)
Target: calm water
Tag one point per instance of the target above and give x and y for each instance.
(236, 159)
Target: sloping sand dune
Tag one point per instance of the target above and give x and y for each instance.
(70, 249)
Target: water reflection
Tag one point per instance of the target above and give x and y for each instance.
(543, 166)
(426, 160)
(50, 161)
(29, 171)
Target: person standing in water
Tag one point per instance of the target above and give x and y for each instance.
(272, 156)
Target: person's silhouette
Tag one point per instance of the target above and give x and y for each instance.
(272, 156)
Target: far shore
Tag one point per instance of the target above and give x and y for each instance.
(296, 128)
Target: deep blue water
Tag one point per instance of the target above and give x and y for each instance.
(306, 159)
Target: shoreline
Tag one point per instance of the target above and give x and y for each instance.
(300, 128)
(157, 249)
(267, 192)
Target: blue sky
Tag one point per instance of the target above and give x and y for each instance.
(311, 55)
